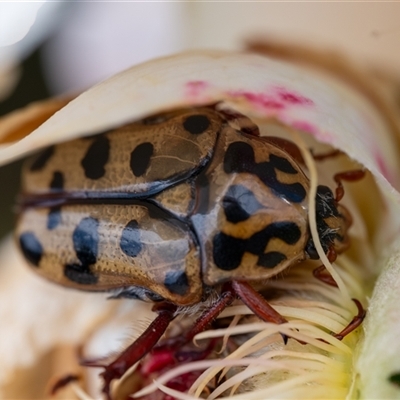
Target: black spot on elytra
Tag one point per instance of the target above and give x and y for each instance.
(85, 239)
(57, 182)
(41, 160)
(228, 251)
(270, 259)
(96, 158)
(282, 164)
(196, 124)
(31, 248)
(130, 239)
(140, 158)
(80, 273)
(325, 207)
(54, 218)
(239, 203)
(177, 282)
(286, 231)
(239, 157)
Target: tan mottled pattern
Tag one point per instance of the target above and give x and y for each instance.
(166, 248)
(276, 210)
(176, 151)
(178, 199)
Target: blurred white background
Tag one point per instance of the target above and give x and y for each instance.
(88, 41)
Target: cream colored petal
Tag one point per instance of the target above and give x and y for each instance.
(20, 123)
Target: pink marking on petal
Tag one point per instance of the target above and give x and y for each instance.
(382, 166)
(195, 88)
(262, 100)
(288, 96)
(305, 127)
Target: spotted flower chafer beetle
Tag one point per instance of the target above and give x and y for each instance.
(171, 209)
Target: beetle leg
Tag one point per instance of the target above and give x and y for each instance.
(329, 154)
(140, 347)
(229, 292)
(350, 176)
(258, 304)
(225, 299)
(320, 272)
(206, 318)
(262, 309)
(354, 323)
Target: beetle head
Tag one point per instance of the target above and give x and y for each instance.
(333, 222)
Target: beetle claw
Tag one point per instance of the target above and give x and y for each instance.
(354, 323)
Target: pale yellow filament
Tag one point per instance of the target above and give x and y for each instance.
(309, 161)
